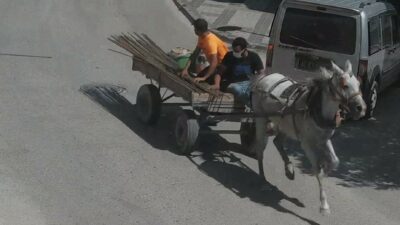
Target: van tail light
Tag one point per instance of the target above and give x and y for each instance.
(362, 72)
(362, 68)
(270, 52)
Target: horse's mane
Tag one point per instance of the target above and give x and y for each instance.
(318, 82)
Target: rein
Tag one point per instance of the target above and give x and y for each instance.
(315, 109)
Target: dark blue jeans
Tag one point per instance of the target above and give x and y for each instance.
(241, 91)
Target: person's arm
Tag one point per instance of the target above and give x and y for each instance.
(260, 71)
(210, 70)
(217, 82)
(210, 50)
(258, 65)
(185, 71)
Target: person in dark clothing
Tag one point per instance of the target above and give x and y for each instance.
(236, 70)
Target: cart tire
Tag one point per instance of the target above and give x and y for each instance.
(186, 132)
(148, 103)
(248, 134)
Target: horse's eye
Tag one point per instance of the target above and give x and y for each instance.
(345, 87)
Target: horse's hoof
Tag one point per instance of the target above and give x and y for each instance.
(289, 171)
(325, 211)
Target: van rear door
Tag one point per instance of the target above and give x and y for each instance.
(309, 36)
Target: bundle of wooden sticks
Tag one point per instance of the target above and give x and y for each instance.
(144, 49)
(147, 51)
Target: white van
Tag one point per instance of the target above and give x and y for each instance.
(307, 34)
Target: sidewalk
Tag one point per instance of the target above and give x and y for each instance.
(254, 17)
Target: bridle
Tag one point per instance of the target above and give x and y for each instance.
(339, 97)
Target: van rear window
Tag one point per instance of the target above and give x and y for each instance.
(316, 30)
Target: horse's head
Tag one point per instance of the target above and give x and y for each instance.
(345, 88)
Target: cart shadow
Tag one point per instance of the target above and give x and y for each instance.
(237, 177)
(110, 98)
(159, 136)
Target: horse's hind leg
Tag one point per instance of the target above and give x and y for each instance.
(324, 208)
(260, 144)
(278, 142)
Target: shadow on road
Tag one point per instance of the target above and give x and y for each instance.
(110, 98)
(240, 179)
(369, 150)
(269, 6)
(228, 170)
(159, 136)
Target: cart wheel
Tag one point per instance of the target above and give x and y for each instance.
(186, 131)
(248, 134)
(148, 103)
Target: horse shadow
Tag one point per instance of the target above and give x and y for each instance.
(233, 174)
(369, 150)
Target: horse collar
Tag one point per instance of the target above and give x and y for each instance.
(315, 108)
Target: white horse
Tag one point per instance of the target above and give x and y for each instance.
(311, 119)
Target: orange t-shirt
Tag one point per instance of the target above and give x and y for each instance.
(211, 44)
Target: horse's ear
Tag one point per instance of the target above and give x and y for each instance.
(348, 67)
(325, 73)
(336, 69)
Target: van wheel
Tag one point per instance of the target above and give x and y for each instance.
(372, 99)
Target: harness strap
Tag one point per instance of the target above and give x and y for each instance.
(301, 92)
(297, 94)
(315, 106)
(278, 83)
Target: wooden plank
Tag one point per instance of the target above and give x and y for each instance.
(214, 102)
(163, 80)
(151, 52)
(224, 103)
(153, 72)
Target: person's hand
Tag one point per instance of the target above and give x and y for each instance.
(199, 79)
(185, 73)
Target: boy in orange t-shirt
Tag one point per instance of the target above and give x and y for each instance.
(213, 48)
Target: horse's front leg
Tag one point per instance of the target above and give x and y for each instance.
(318, 172)
(330, 163)
(278, 142)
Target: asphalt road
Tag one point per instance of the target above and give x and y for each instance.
(72, 151)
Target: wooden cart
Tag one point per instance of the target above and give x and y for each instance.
(205, 107)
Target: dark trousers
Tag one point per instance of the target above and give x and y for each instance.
(210, 79)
